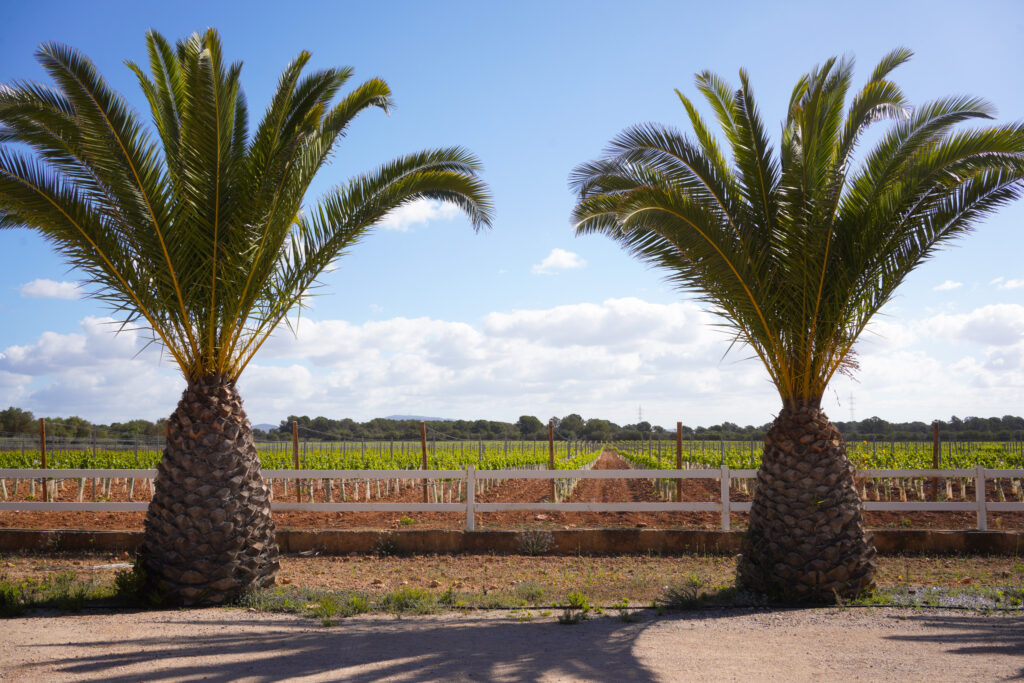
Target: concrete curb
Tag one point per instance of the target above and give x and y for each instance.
(558, 542)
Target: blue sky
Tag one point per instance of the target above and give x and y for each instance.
(425, 317)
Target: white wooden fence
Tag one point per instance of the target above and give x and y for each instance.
(471, 476)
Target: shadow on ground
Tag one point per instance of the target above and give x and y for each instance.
(360, 649)
(965, 634)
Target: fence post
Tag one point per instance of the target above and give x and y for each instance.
(423, 443)
(726, 520)
(295, 459)
(551, 459)
(42, 453)
(679, 460)
(979, 495)
(936, 482)
(470, 498)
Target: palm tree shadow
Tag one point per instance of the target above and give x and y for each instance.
(368, 648)
(972, 635)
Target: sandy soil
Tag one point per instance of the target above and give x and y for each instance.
(727, 645)
(517, 490)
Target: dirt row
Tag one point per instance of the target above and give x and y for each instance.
(515, 490)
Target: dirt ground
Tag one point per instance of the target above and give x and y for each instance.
(709, 645)
(543, 580)
(516, 490)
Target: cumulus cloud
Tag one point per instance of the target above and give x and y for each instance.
(947, 286)
(50, 289)
(93, 373)
(885, 335)
(1011, 284)
(994, 325)
(596, 359)
(418, 212)
(559, 259)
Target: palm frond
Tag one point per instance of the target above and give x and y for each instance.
(196, 234)
(797, 250)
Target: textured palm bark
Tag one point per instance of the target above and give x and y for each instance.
(806, 540)
(209, 536)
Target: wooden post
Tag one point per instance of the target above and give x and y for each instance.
(679, 460)
(295, 460)
(936, 482)
(551, 458)
(42, 453)
(423, 444)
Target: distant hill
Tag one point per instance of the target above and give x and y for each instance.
(264, 427)
(416, 417)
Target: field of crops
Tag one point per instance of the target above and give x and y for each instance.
(863, 454)
(17, 452)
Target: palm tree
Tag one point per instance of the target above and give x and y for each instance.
(796, 251)
(203, 240)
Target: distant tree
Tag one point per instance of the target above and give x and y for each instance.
(597, 429)
(17, 421)
(529, 427)
(571, 425)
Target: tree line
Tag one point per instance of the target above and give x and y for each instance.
(528, 427)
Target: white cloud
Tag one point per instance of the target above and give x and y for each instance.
(559, 259)
(947, 286)
(596, 359)
(885, 335)
(51, 289)
(415, 213)
(1002, 283)
(994, 325)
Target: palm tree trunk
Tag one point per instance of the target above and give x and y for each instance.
(806, 540)
(209, 536)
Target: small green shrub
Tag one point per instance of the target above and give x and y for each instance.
(530, 591)
(578, 600)
(353, 605)
(11, 602)
(577, 609)
(684, 594)
(570, 617)
(409, 601)
(624, 614)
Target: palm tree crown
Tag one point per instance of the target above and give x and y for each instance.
(199, 233)
(798, 249)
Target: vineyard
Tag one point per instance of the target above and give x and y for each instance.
(863, 454)
(18, 451)
(353, 482)
(24, 452)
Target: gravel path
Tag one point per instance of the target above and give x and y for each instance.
(234, 645)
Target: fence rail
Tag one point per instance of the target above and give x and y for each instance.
(470, 478)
